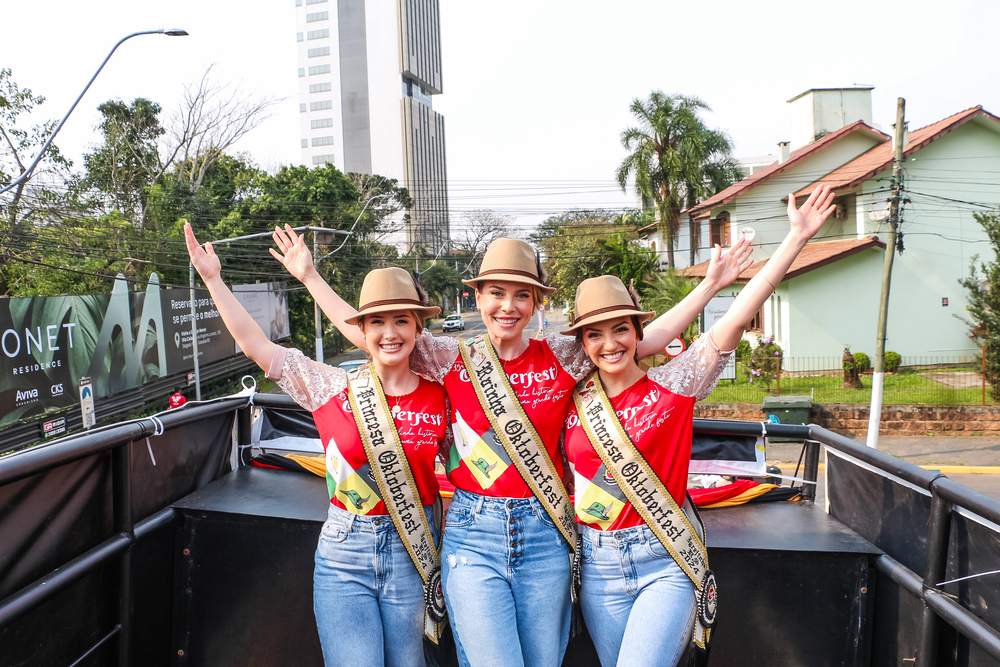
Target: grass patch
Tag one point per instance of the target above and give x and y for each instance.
(898, 389)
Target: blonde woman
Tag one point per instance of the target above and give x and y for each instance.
(363, 565)
(646, 584)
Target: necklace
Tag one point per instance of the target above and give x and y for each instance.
(395, 408)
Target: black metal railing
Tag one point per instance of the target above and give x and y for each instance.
(946, 496)
(126, 533)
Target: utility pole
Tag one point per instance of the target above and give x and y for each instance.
(878, 377)
(317, 315)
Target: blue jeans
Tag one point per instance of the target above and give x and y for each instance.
(367, 595)
(506, 574)
(638, 604)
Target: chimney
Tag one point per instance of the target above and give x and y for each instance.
(820, 111)
(783, 152)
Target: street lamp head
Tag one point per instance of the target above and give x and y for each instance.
(175, 32)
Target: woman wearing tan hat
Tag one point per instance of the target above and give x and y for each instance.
(510, 526)
(628, 437)
(376, 585)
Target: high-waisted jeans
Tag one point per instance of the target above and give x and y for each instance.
(506, 573)
(367, 595)
(638, 604)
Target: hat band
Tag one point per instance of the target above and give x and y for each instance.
(608, 309)
(391, 302)
(515, 272)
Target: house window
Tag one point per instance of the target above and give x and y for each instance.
(652, 246)
(321, 87)
(317, 16)
(318, 34)
(322, 141)
(720, 230)
(756, 325)
(322, 122)
(321, 51)
(318, 69)
(319, 106)
(322, 159)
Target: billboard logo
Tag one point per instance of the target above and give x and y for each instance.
(24, 397)
(57, 390)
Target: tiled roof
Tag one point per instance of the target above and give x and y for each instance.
(812, 257)
(879, 158)
(775, 168)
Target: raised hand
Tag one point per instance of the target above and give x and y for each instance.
(726, 265)
(807, 219)
(205, 261)
(293, 255)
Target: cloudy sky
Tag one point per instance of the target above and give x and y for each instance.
(536, 93)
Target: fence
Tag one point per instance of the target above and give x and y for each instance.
(958, 380)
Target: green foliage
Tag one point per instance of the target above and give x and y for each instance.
(764, 364)
(983, 289)
(892, 362)
(743, 350)
(441, 281)
(862, 362)
(675, 160)
(666, 290)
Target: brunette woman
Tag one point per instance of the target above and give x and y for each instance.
(510, 530)
(373, 588)
(628, 438)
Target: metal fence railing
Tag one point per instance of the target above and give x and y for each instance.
(958, 380)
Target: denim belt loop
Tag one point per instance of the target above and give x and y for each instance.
(600, 537)
(478, 509)
(350, 522)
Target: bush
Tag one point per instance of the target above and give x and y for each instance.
(892, 362)
(862, 362)
(764, 363)
(743, 350)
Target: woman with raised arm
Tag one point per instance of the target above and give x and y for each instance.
(628, 437)
(510, 527)
(376, 583)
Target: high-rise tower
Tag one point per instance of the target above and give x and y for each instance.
(368, 71)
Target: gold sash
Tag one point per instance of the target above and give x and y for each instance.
(516, 433)
(673, 528)
(397, 487)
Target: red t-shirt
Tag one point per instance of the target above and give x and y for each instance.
(478, 462)
(420, 419)
(659, 424)
(657, 415)
(176, 401)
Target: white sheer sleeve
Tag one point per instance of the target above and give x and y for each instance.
(310, 383)
(695, 372)
(570, 355)
(433, 356)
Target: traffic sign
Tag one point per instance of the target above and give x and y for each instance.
(674, 347)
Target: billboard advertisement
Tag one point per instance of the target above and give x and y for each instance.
(118, 340)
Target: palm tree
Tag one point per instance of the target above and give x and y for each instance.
(674, 159)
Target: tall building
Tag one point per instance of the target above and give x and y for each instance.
(368, 71)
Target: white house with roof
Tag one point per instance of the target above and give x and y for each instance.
(830, 296)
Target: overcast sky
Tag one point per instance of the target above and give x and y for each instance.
(535, 93)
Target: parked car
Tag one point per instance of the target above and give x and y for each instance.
(351, 364)
(453, 323)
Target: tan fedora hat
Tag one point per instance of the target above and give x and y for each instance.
(510, 260)
(604, 298)
(390, 289)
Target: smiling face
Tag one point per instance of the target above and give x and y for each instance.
(506, 308)
(610, 344)
(390, 336)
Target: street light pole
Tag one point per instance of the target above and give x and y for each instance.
(174, 32)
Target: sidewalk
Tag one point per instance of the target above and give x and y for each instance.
(938, 450)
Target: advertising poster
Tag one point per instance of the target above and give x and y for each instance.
(267, 304)
(716, 308)
(118, 340)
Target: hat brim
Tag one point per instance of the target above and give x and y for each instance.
(509, 278)
(426, 311)
(644, 316)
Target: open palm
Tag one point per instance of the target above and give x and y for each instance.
(293, 255)
(205, 261)
(727, 264)
(808, 218)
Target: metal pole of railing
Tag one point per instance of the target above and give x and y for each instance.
(938, 534)
(810, 470)
(125, 526)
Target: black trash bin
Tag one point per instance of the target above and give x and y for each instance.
(787, 410)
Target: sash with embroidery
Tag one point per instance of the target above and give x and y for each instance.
(683, 536)
(516, 433)
(397, 487)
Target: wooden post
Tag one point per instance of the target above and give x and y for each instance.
(984, 373)
(779, 377)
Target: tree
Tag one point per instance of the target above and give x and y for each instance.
(478, 230)
(983, 288)
(711, 169)
(43, 195)
(441, 281)
(664, 291)
(127, 164)
(673, 158)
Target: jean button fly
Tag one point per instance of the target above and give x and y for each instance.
(510, 505)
